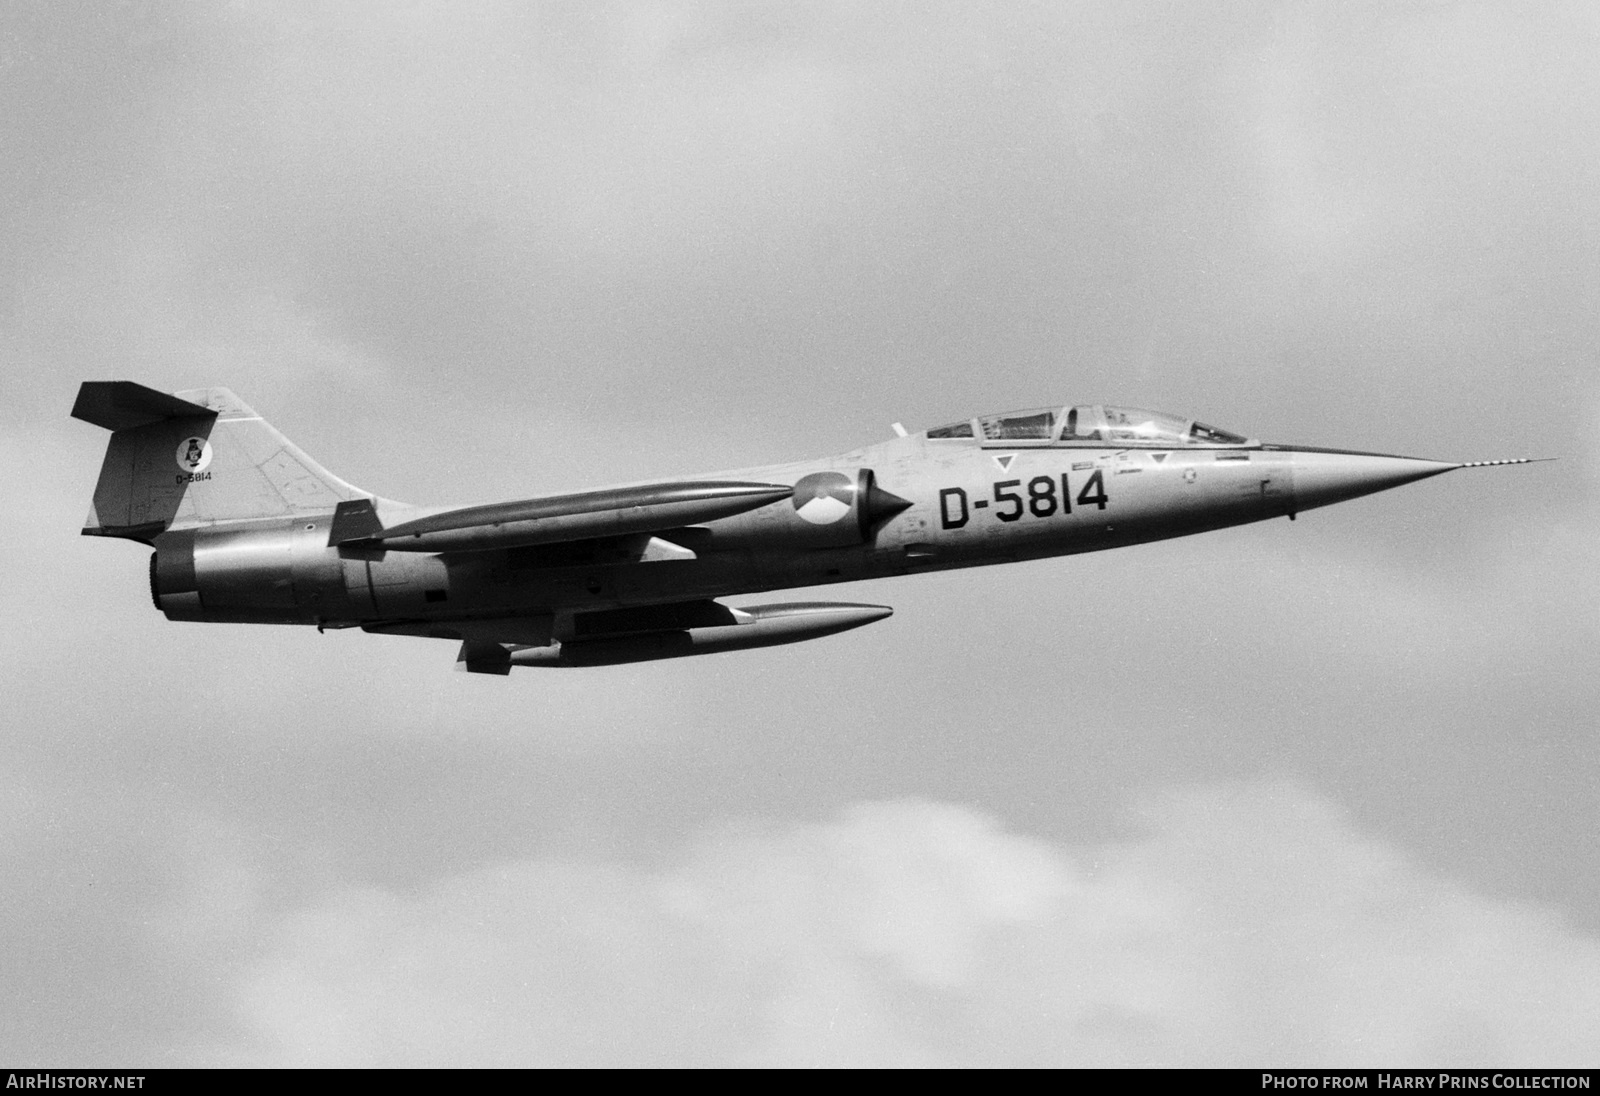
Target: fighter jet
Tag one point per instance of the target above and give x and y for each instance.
(248, 529)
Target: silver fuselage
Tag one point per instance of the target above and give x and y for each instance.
(971, 503)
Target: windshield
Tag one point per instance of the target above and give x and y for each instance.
(1203, 434)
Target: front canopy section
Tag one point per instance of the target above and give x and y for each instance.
(1091, 425)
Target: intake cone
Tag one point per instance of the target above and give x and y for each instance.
(877, 505)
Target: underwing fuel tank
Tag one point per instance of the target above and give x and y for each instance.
(757, 626)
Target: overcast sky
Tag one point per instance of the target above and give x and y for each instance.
(1321, 793)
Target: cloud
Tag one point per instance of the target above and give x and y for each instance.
(1248, 924)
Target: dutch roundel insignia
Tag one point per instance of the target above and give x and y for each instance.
(822, 498)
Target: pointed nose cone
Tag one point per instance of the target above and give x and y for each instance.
(1323, 478)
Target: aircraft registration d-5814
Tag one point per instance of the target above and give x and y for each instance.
(248, 529)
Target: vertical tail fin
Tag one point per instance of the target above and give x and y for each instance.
(193, 459)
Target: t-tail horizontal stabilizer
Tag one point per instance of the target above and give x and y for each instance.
(122, 405)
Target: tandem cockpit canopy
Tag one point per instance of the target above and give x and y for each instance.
(1089, 425)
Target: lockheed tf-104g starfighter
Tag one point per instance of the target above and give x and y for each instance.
(248, 529)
